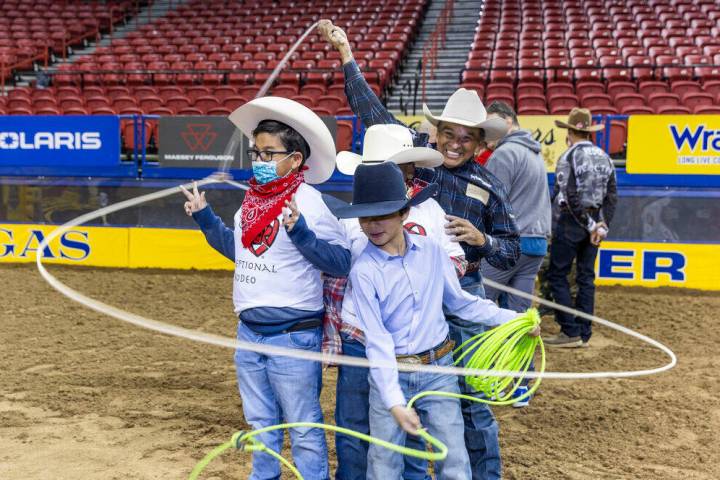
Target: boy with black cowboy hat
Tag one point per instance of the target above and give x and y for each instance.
(480, 215)
(382, 143)
(400, 308)
(277, 289)
(584, 198)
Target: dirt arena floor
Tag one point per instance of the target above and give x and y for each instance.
(84, 396)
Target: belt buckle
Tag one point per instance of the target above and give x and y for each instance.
(412, 359)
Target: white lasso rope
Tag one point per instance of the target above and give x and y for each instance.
(233, 343)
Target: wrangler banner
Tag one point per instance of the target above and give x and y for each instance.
(670, 144)
(542, 127)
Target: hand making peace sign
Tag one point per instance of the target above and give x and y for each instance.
(196, 200)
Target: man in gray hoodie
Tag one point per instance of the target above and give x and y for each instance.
(517, 163)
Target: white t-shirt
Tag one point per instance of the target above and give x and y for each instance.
(426, 219)
(273, 273)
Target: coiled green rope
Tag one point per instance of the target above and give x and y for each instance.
(506, 348)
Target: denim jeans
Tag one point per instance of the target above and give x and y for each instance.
(481, 429)
(352, 405)
(275, 389)
(472, 283)
(351, 411)
(520, 277)
(572, 242)
(440, 415)
(476, 415)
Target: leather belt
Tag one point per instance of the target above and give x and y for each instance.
(304, 325)
(429, 356)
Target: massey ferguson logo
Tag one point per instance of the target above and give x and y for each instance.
(199, 137)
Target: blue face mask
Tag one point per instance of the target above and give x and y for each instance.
(265, 172)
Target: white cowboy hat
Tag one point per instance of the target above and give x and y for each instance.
(320, 162)
(465, 108)
(391, 143)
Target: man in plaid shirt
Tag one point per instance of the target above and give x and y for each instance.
(480, 216)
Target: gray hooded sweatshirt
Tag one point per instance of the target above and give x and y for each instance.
(517, 163)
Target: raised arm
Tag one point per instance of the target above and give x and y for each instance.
(363, 101)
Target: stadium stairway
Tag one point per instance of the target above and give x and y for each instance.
(451, 59)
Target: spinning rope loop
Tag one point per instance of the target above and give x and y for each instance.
(497, 359)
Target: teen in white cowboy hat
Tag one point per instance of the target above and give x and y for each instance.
(480, 217)
(401, 312)
(277, 288)
(382, 144)
(392, 143)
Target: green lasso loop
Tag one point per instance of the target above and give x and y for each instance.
(503, 348)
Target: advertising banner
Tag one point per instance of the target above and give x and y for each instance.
(206, 142)
(91, 246)
(59, 141)
(659, 265)
(672, 144)
(199, 142)
(551, 138)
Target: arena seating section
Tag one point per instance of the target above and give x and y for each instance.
(211, 57)
(611, 56)
(32, 30)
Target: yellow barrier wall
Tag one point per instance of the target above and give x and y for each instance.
(618, 263)
(92, 246)
(666, 144)
(659, 265)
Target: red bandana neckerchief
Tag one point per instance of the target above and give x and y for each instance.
(263, 203)
(415, 186)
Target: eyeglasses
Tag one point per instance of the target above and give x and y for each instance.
(265, 155)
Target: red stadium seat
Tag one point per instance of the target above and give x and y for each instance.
(707, 110)
(234, 101)
(683, 86)
(637, 110)
(657, 100)
(343, 139)
(648, 88)
(562, 103)
(672, 110)
(616, 88)
(623, 100)
(694, 100)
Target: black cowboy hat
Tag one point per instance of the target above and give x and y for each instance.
(377, 190)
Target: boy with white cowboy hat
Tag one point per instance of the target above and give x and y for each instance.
(382, 143)
(277, 288)
(584, 198)
(481, 217)
(400, 310)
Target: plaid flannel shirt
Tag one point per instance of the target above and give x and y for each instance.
(469, 191)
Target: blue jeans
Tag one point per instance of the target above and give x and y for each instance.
(572, 242)
(441, 416)
(276, 388)
(481, 430)
(352, 407)
(520, 277)
(351, 411)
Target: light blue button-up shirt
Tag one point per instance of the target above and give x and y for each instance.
(399, 301)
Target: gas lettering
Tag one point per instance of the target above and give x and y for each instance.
(73, 245)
